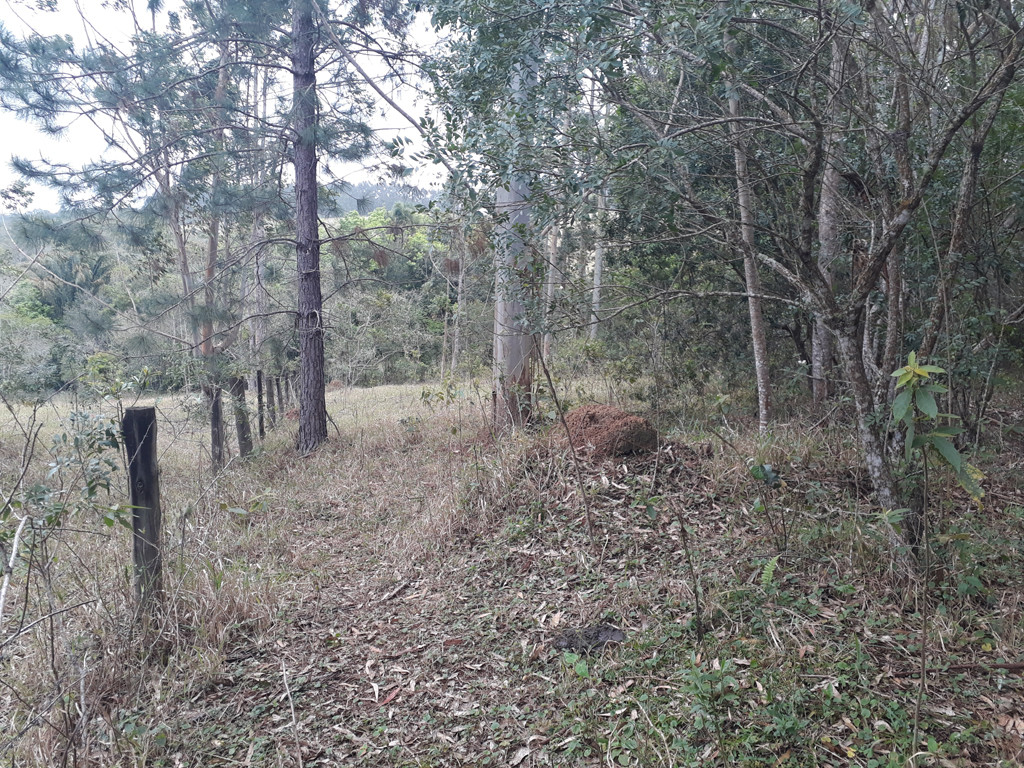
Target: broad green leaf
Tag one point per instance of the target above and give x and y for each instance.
(932, 369)
(909, 448)
(926, 403)
(766, 474)
(947, 449)
(900, 405)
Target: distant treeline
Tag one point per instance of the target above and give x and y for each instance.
(367, 196)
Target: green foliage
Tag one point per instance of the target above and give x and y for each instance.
(915, 407)
(83, 463)
(766, 474)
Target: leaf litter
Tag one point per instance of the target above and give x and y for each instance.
(457, 656)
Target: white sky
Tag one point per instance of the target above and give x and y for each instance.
(82, 142)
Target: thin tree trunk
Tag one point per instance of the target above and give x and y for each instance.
(958, 233)
(444, 338)
(280, 395)
(758, 335)
(595, 296)
(869, 344)
(207, 348)
(312, 393)
(242, 427)
(828, 238)
(551, 284)
(459, 299)
(885, 387)
(258, 318)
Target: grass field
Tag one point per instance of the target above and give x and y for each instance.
(395, 599)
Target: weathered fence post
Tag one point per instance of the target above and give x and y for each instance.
(259, 401)
(139, 428)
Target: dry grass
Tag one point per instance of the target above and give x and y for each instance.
(390, 600)
(78, 669)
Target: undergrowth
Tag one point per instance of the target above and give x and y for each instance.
(393, 600)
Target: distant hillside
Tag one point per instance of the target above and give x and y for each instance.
(367, 196)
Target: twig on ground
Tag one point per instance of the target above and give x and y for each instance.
(291, 707)
(395, 591)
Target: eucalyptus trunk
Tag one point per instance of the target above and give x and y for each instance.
(514, 347)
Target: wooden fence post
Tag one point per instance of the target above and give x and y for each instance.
(139, 429)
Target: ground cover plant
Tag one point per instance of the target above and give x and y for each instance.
(402, 597)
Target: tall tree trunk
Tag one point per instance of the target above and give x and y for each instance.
(514, 269)
(258, 316)
(242, 427)
(444, 337)
(207, 348)
(312, 393)
(595, 296)
(745, 199)
(551, 284)
(828, 236)
(280, 394)
(513, 341)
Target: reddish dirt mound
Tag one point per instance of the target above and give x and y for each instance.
(607, 431)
